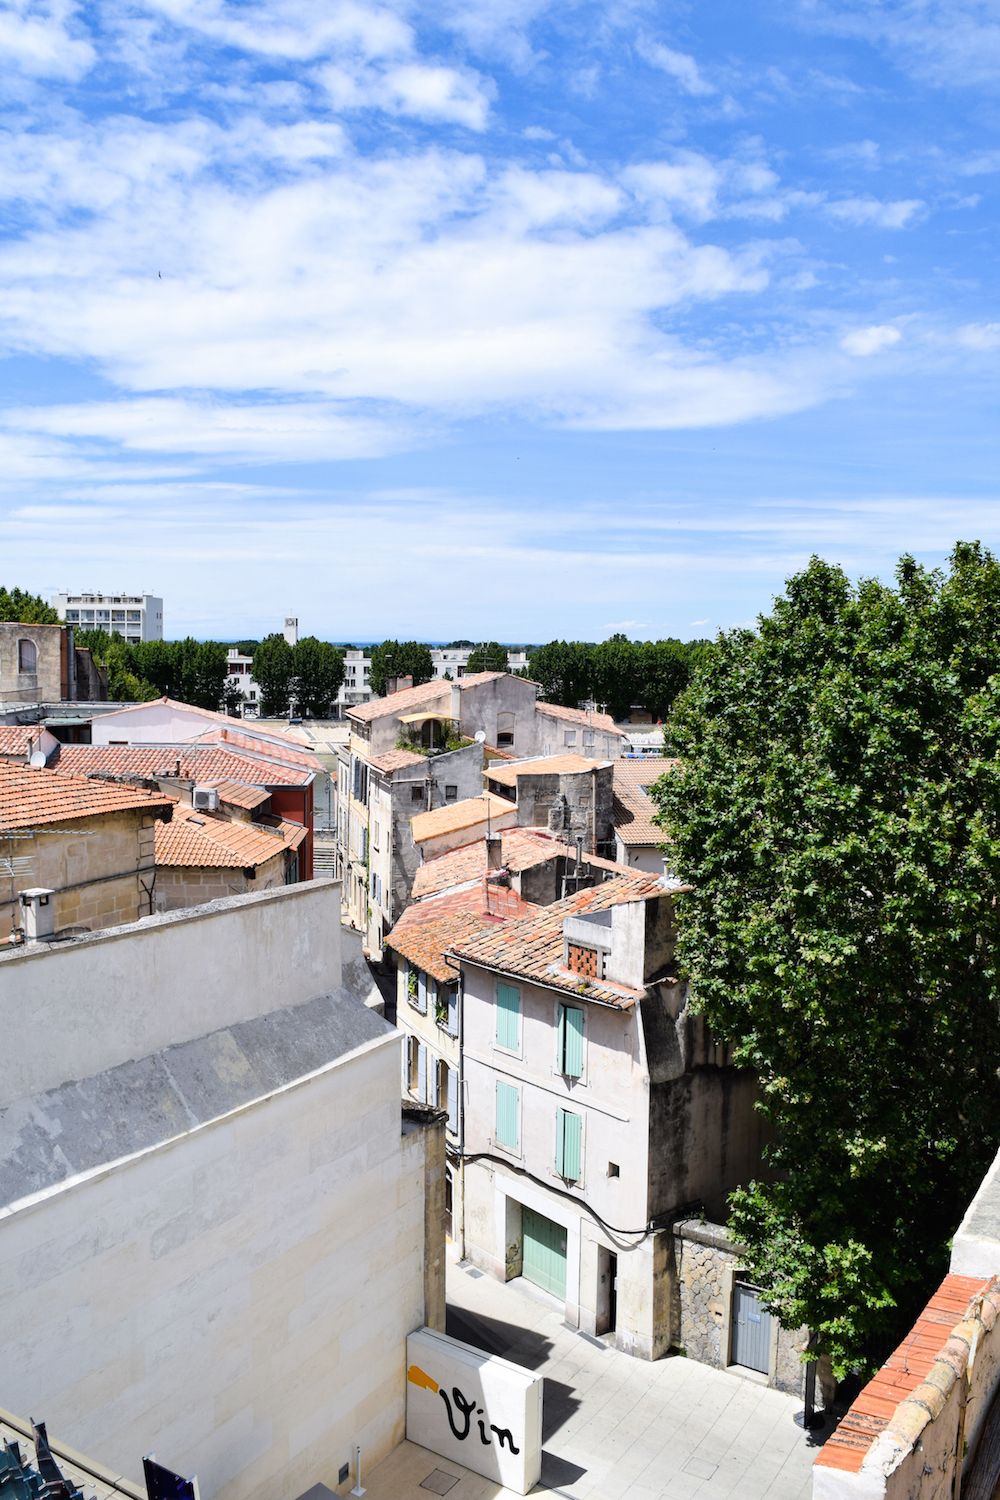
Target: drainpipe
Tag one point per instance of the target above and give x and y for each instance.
(461, 1111)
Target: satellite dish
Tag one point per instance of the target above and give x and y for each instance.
(38, 759)
(480, 736)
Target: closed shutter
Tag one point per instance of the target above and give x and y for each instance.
(452, 1011)
(508, 1017)
(569, 1132)
(421, 992)
(571, 1040)
(421, 1072)
(434, 1078)
(453, 1101)
(508, 1108)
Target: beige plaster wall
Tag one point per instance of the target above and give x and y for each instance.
(45, 684)
(236, 1300)
(179, 886)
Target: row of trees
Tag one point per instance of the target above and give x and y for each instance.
(306, 676)
(188, 670)
(838, 815)
(618, 672)
(16, 604)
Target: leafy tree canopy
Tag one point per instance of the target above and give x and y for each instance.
(399, 659)
(318, 672)
(20, 607)
(488, 657)
(274, 672)
(620, 673)
(838, 814)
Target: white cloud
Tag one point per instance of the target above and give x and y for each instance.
(679, 66)
(982, 336)
(422, 90)
(896, 214)
(863, 342)
(44, 38)
(947, 42)
(295, 30)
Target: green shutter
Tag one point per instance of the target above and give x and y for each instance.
(569, 1129)
(508, 1017)
(508, 1102)
(571, 1040)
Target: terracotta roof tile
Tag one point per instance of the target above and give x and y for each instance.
(30, 797)
(533, 949)
(236, 794)
(457, 815)
(604, 722)
(422, 696)
(426, 931)
(633, 808)
(396, 760)
(197, 839)
(19, 739)
(204, 764)
(520, 849)
(905, 1369)
(258, 746)
(542, 765)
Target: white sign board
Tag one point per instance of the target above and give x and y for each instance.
(474, 1408)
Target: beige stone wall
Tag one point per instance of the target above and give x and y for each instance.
(706, 1265)
(97, 866)
(41, 686)
(179, 886)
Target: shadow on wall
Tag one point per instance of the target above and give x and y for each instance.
(522, 1346)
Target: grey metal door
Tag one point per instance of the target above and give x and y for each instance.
(751, 1344)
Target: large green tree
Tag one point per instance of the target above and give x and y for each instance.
(838, 815)
(319, 671)
(19, 606)
(564, 670)
(490, 656)
(399, 659)
(274, 673)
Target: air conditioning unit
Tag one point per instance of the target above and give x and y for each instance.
(205, 799)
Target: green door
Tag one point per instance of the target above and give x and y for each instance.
(544, 1260)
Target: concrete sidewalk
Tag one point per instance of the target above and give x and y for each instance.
(625, 1429)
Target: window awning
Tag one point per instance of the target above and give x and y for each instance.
(422, 718)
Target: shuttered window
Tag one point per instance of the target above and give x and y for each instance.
(508, 1017)
(453, 1101)
(570, 1041)
(508, 1111)
(569, 1136)
(421, 1072)
(421, 992)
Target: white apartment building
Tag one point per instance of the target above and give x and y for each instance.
(449, 662)
(137, 617)
(453, 661)
(240, 667)
(355, 688)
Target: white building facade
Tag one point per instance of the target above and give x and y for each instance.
(136, 617)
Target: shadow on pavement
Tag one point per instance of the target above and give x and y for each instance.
(522, 1346)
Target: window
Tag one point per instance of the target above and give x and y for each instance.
(360, 787)
(505, 730)
(412, 1064)
(508, 1009)
(569, 736)
(418, 987)
(27, 656)
(508, 1115)
(446, 1008)
(416, 793)
(450, 792)
(450, 1093)
(375, 835)
(588, 736)
(569, 1136)
(570, 1041)
(614, 1170)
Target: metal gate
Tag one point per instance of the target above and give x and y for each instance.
(751, 1342)
(544, 1260)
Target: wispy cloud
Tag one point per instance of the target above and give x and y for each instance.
(680, 66)
(866, 341)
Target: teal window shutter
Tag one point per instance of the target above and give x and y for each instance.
(571, 1041)
(508, 1109)
(569, 1136)
(508, 1017)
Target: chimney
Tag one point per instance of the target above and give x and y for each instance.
(494, 851)
(456, 703)
(397, 684)
(39, 914)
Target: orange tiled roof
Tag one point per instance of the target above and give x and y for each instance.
(604, 722)
(905, 1370)
(633, 808)
(235, 794)
(19, 739)
(396, 760)
(520, 849)
(257, 745)
(426, 931)
(533, 949)
(197, 839)
(542, 765)
(30, 797)
(204, 764)
(421, 696)
(457, 815)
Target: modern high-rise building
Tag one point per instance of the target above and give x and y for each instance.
(137, 617)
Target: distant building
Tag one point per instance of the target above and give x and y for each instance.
(639, 840)
(239, 667)
(136, 617)
(41, 664)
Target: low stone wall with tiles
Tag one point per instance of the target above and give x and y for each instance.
(706, 1266)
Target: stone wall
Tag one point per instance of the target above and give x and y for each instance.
(46, 684)
(179, 886)
(705, 1269)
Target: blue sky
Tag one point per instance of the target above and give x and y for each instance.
(493, 318)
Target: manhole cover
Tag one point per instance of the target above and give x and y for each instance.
(440, 1482)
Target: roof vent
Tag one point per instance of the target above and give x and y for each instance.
(39, 914)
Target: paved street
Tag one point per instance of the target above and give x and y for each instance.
(615, 1427)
